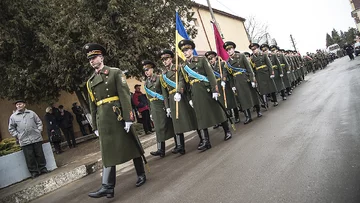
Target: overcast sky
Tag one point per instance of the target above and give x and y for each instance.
(307, 20)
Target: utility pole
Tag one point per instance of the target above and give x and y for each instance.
(213, 17)
(293, 42)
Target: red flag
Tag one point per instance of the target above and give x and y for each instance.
(219, 44)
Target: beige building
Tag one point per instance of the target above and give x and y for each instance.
(231, 27)
(355, 5)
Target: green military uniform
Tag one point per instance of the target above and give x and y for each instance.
(286, 69)
(187, 119)
(263, 70)
(198, 73)
(116, 144)
(109, 93)
(278, 70)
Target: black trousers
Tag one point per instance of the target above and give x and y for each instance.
(57, 146)
(34, 156)
(69, 134)
(82, 127)
(146, 120)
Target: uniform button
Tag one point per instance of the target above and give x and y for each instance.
(107, 89)
(105, 83)
(108, 95)
(94, 92)
(91, 82)
(107, 76)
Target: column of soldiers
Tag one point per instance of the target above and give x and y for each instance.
(198, 93)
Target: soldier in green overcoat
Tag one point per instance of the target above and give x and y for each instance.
(204, 93)
(292, 68)
(278, 70)
(287, 70)
(109, 93)
(186, 120)
(226, 82)
(264, 73)
(244, 79)
(162, 121)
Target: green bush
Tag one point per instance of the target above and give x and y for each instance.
(8, 146)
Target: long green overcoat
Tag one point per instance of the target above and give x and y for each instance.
(186, 115)
(278, 70)
(286, 69)
(208, 111)
(117, 146)
(243, 89)
(263, 70)
(229, 80)
(163, 125)
(292, 68)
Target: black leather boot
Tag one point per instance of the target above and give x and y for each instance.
(140, 171)
(206, 143)
(228, 134)
(237, 116)
(200, 137)
(257, 107)
(247, 116)
(161, 150)
(283, 95)
(181, 146)
(274, 98)
(265, 105)
(108, 184)
(174, 151)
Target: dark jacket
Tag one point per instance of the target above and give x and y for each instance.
(77, 110)
(66, 119)
(51, 123)
(140, 101)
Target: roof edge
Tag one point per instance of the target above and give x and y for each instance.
(219, 12)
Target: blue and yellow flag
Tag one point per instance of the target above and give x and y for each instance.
(180, 35)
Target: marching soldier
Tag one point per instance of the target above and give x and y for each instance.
(286, 69)
(186, 120)
(278, 70)
(292, 68)
(242, 72)
(112, 117)
(163, 124)
(264, 73)
(226, 82)
(204, 93)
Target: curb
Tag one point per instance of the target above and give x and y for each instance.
(57, 181)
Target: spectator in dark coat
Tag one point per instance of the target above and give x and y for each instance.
(140, 101)
(52, 126)
(80, 118)
(66, 126)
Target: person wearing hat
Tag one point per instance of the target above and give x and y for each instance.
(264, 72)
(292, 70)
(112, 117)
(278, 70)
(162, 121)
(296, 63)
(204, 93)
(286, 70)
(244, 80)
(186, 120)
(226, 82)
(26, 126)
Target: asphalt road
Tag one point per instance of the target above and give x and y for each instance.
(305, 150)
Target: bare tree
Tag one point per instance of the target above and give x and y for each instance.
(257, 31)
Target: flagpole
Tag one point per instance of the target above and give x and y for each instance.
(221, 78)
(176, 82)
(213, 17)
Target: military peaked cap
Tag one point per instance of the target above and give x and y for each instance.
(247, 54)
(254, 45)
(93, 49)
(274, 47)
(186, 44)
(229, 45)
(19, 101)
(166, 53)
(264, 46)
(148, 64)
(208, 53)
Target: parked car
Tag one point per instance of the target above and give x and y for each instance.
(357, 48)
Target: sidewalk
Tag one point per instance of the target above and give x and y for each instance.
(73, 164)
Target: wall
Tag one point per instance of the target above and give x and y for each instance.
(232, 29)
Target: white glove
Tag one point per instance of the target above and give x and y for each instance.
(168, 112)
(215, 95)
(127, 126)
(233, 89)
(253, 84)
(223, 84)
(96, 133)
(281, 75)
(288, 72)
(272, 76)
(177, 97)
(191, 103)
